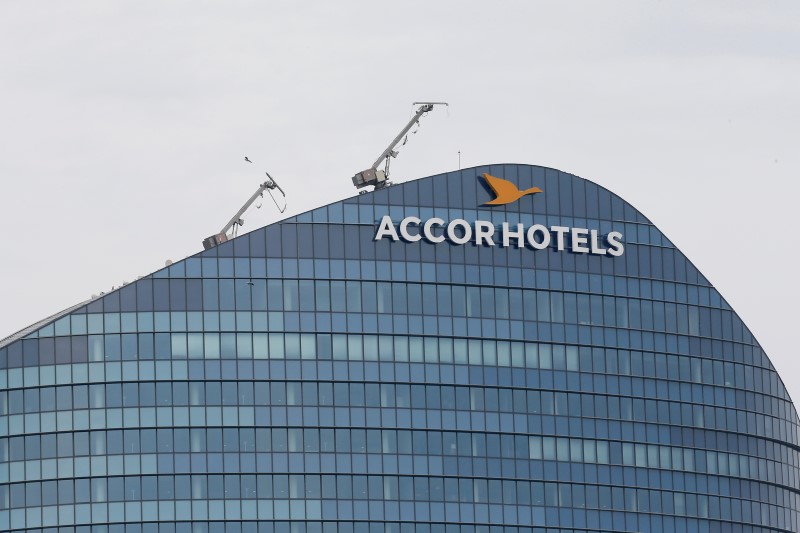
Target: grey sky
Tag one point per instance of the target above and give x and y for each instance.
(123, 126)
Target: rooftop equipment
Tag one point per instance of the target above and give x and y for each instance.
(237, 220)
(380, 178)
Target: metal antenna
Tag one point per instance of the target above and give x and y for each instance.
(380, 178)
(237, 221)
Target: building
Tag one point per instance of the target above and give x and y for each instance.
(442, 370)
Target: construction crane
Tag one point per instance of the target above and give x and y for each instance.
(237, 220)
(380, 178)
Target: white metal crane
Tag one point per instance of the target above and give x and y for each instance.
(380, 178)
(237, 220)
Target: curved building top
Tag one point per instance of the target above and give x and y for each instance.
(645, 265)
(502, 348)
(547, 229)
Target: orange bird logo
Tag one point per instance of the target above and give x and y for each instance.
(506, 192)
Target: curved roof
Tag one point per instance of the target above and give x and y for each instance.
(457, 194)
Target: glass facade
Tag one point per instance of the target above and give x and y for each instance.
(306, 377)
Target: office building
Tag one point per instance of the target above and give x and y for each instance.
(409, 360)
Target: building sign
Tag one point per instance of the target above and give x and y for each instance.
(484, 233)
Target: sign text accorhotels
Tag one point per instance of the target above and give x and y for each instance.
(485, 233)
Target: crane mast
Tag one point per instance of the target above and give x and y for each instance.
(237, 220)
(380, 178)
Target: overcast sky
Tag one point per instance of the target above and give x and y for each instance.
(123, 126)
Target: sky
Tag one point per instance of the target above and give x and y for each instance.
(123, 126)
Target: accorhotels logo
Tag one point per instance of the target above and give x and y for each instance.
(485, 233)
(505, 192)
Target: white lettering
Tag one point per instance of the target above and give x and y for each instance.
(427, 230)
(615, 244)
(546, 237)
(559, 231)
(465, 227)
(404, 229)
(596, 244)
(386, 228)
(508, 234)
(483, 232)
(579, 239)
